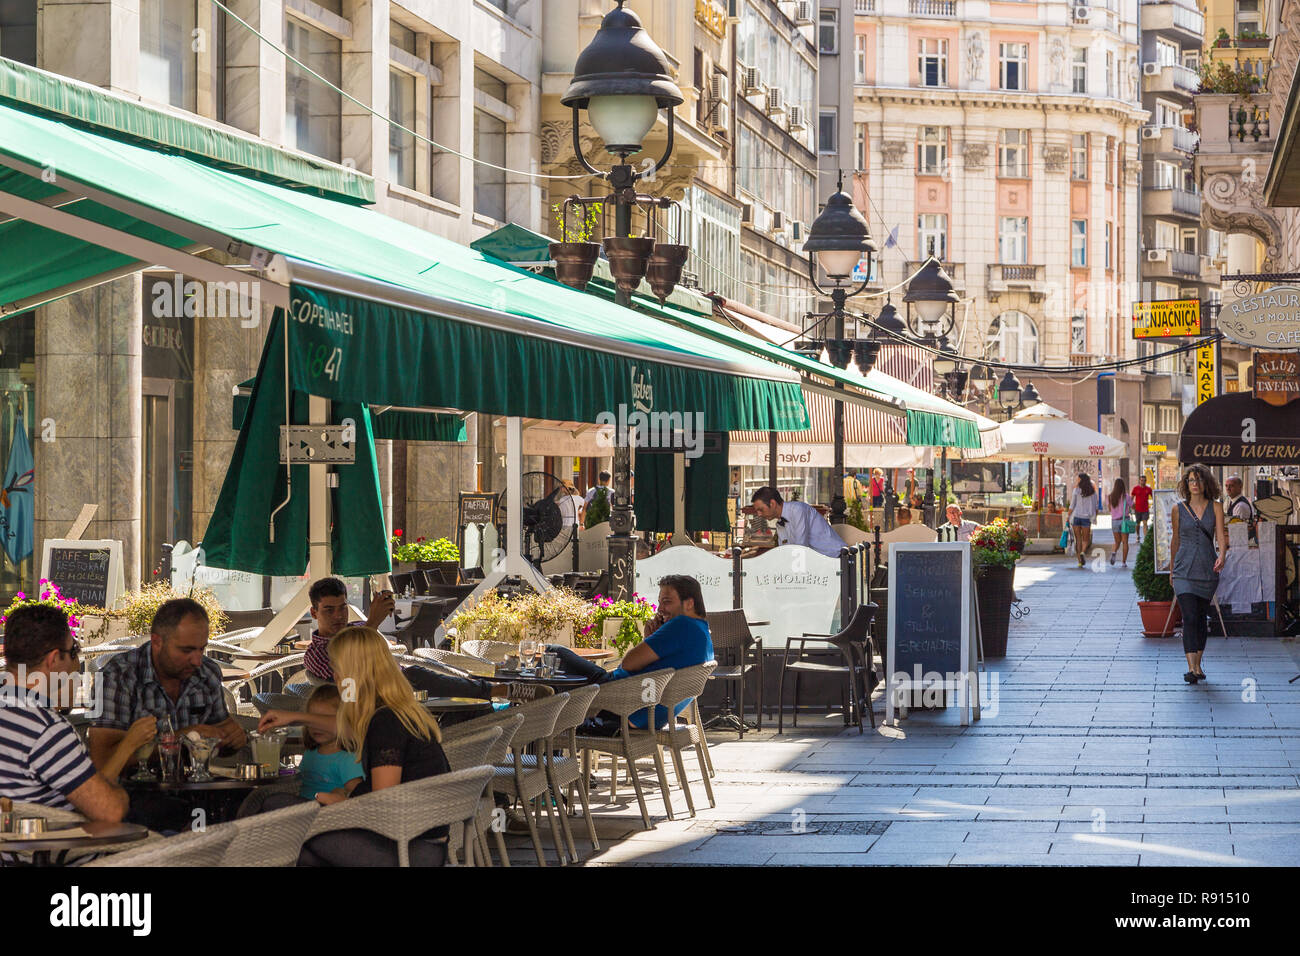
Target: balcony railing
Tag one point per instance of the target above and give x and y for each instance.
(1247, 121)
(864, 6)
(1184, 139)
(1187, 202)
(1184, 78)
(1185, 18)
(932, 8)
(1185, 263)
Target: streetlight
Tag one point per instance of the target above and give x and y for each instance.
(838, 240)
(623, 79)
(1009, 393)
(1029, 397)
(931, 293)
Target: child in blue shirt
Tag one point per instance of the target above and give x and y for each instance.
(328, 772)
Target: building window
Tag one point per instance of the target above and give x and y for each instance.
(1109, 226)
(1079, 70)
(1192, 59)
(401, 110)
(313, 111)
(18, 30)
(1247, 15)
(1166, 238)
(1110, 73)
(1013, 62)
(1166, 53)
(1190, 241)
(1164, 175)
(860, 58)
(1169, 419)
(1148, 418)
(1013, 240)
(168, 62)
(1078, 334)
(1110, 160)
(1078, 243)
(860, 146)
(1168, 114)
(932, 62)
(932, 150)
(827, 131)
(490, 146)
(932, 236)
(1013, 154)
(1013, 337)
(1079, 156)
(828, 31)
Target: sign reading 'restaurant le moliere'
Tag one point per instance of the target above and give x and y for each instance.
(1266, 320)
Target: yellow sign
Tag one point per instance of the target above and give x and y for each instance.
(1166, 319)
(711, 18)
(1205, 374)
(1156, 449)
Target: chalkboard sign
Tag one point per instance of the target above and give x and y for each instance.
(477, 508)
(86, 571)
(933, 642)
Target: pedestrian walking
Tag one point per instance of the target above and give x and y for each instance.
(877, 486)
(1084, 505)
(1197, 524)
(1141, 504)
(1121, 519)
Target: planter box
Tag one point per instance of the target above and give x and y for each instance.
(1255, 44)
(994, 585)
(90, 626)
(551, 635)
(611, 626)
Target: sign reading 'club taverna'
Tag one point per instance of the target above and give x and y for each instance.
(1266, 320)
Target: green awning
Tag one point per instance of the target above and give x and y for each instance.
(111, 115)
(386, 423)
(708, 481)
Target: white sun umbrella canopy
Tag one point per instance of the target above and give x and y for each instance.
(1045, 432)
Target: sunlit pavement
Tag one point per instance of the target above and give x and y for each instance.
(1098, 754)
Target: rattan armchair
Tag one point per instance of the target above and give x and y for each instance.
(509, 722)
(524, 776)
(494, 651)
(270, 839)
(403, 812)
(469, 663)
(565, 769)
(624, 698)
(470, 750)
(196, 848)
(687, 685)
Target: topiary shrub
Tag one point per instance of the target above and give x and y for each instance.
(598, 510)
(1150, 586)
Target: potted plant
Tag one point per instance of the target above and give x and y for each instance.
(492, 618)
(50, 595)
(1222, 39)
(598, 510)
(405, 553)
(1251, 38)
(133, 612)
(444, 556)
(554, 617)
(1155, 593)
(995, 549)
(622, 622)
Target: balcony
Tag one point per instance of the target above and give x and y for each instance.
(1015, 278)
(864, 6)
(1170, 201)
(932, 8)
(1170, 78)
(1168, 140)
(1183, 23)
(1185, 263)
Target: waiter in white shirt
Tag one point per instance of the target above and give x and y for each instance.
(797, 522)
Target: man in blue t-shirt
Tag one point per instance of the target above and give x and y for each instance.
(677, 637)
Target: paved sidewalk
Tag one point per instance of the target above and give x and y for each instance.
(1098, 753)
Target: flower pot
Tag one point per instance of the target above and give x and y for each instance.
(993, 587)
(1253, 43)
(1156, 619)
(1223, 43)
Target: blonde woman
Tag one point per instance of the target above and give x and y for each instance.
(395, 739)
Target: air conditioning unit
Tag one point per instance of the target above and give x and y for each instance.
(719, 88)
(1150, 132)
(720, 119)
(775, 101)
(803, 13)
(747, 213)
(733, 10)
(1150, 69)
(796, 120)
(1157, 255)
(778, 221)
(751, 81)
(1081, 14)
(797, 230)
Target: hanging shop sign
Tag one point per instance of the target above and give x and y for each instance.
(1167, 318)
(1206, 377)
(1277, 377)
(1266, 320)
(1240, 429)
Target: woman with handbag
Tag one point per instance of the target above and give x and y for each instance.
(1197, 525)
(1121, 520)
(1084, 504)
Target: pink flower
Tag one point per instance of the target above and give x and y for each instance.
(22, 596)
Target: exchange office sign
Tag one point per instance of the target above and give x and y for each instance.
(1266, 320)
(1168, 318)
(1277, 377)
(1239, 429)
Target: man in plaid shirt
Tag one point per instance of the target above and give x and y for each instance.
(167, 676)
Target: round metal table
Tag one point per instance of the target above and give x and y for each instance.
(560, 681)
(218, 798)
(100, 833)
(456, 705)
(594, 653)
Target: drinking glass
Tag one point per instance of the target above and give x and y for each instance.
(169, 753)
(527, 648)
(142, 755)
(201, 750)
(266, 751)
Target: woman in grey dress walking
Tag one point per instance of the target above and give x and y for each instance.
(1198, 524)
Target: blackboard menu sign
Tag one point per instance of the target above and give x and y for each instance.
(82, 574)
(477, 508)
(933, 637)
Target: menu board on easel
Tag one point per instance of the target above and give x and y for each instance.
(89, 572)
(933, 626)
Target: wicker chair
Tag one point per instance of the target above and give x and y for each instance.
(494, 651)
(474, 666)
(258, 617)
(624, 698)
(509, 722)
(257, 681)
(270, 839)
(197, 848)
(524, 776)
(256, 799)
(470, 751)
(403, 812)
(687, 685)
(241, 635)
(265, 702)
(854, 644)
(566, 769)
(732, 646)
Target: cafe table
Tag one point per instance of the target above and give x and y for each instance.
(558, 680)
(594, 653)
(97, 834)
(230, 672)
(218, 798)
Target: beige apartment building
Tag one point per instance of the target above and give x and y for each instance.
(1004, 139)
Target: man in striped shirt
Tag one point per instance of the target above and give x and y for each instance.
(329, 609)
(42, 760)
